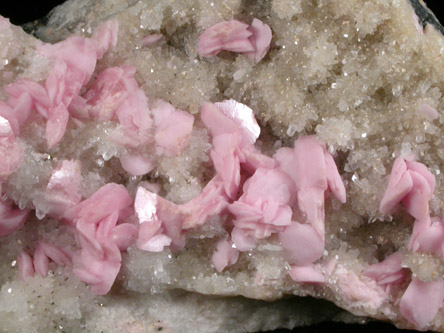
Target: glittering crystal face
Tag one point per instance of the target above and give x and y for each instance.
(224, 148)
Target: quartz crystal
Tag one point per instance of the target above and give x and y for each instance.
(189, 165)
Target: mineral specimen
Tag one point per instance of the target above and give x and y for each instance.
(156, 156)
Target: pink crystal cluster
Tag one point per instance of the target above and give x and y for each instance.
(70, 93)
(102, 224)
(235, 36)
(412, 185)
(257, 193)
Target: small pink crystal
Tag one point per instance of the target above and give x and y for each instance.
(150, 237)
(421, 302)
(224, 154)
(234, 130)
(43, 252)
(25, 266)
(428, 112)
(387, 273)
(243, 238)
(63, 190)
(150, 40)
(314, 172)
(74, 61)
(26, 87)
(136, 165)
(412, 184)
(124, 235)
(163, 223)
(11, 151)
(104, 37)
(115, 95)
(11, 219)
(160, 222)
(9, 124)
(111, 87)
(428, 237)
(219, 122)
(133, 114)
(212, 201)
(98, 270)
(100, 236)
(302, 243)
(359, 291)
(263, 208)
(260, 39)
(224, 255)
(109, 198)
(307, 274)
(172, 128)
(242, 115)
(235, 36)
(227, 35)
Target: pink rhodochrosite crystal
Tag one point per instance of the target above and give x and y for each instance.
(260, 39)
(105, 37)
(412, 184)
(307, 274)
(429, 237)
(422, 301)
(172, 129)
(150, 40)
(11, 219)
(95, 220)
(10, 149)
(268, 194)
(228, 35)
(160, 222)
(136, 165)
(44, 251)
(63, 190)
(263, 208)
(428, 112)
(27, 90)
(235, 36)
(302, 243)
(74, 63)
(25, 266)
(224, 255)
(388, 273)
(313, 172)
(112, 86)
(359, 290)
(163, 223)
(234, 130)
